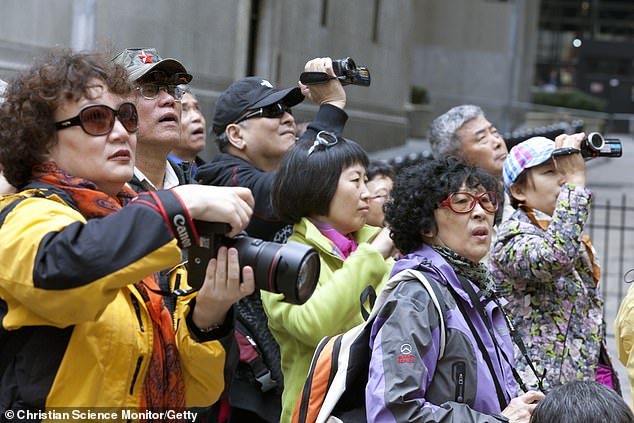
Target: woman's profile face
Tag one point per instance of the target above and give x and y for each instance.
(379, 187)
(348, 209)
(468, 234)
(106, 160)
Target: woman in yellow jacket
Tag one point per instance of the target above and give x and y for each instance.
(83, 323)
(320, 187)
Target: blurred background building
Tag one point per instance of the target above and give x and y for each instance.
(424, 56)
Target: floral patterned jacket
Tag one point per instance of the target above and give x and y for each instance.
(547, 277)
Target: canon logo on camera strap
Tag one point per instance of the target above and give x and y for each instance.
(180, 223)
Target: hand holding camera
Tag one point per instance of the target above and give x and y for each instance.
(231, 205)
(291, 269)
(225, 283)
(594, 145)
(330, 92)
(568, 160)
(345, 70)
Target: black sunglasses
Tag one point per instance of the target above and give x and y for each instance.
(276, 110)
(98, 119)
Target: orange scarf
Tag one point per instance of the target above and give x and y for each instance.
(585, 239)
(163, 387)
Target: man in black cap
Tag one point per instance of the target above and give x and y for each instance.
(159, 92)
(254, 128)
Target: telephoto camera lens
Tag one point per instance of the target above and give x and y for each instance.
(291, 269)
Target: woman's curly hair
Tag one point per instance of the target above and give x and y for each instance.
(27, 131)
(418, 191)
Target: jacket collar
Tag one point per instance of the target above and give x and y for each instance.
(306, 229)
(427, 259)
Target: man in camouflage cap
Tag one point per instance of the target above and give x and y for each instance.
(159, 91)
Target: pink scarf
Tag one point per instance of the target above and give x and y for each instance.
(344, 246)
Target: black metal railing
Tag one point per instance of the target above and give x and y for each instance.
(611, 229)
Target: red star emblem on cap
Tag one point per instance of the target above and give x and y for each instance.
(145, 57)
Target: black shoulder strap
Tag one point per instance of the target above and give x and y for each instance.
(12, 341)
(44, 190)
(47, 190)
(368, 294)
(481, 347)
(514, 336)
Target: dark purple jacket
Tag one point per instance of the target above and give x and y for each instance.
(407, 382)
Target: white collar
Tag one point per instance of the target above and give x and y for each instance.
(170, 180)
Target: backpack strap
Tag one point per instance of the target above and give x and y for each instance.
(485, 354)
(434, 293)
(369, 295)
(251, 355)
(339, 362)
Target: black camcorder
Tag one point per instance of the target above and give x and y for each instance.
(346, 70)
(291, 269)
(594, 145)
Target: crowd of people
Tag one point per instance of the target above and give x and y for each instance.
(102, 187)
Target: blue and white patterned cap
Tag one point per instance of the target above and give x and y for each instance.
(530, 153)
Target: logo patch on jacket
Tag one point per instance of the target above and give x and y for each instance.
(406, 354)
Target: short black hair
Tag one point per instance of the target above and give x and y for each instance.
(305, 184)
(582, 402)
(380, 168)
(419, 189)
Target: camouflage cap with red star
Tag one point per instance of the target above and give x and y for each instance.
(140, 61)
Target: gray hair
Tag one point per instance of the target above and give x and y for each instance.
(582, 402)
(442, 132)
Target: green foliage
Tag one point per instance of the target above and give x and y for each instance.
(570, 98)
(418, 95)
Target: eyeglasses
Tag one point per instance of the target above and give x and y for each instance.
(463, 202)
(98, 119)
(325, 138)
(276, 111)
(151, 90)
(378, 197)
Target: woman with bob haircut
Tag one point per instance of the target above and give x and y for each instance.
(321, 188)
(83, 322)
(441, 215)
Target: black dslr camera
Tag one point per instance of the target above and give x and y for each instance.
(291, 269)
(346, 70)
(594, 145)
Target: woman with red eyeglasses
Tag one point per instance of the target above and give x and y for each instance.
(83, 322)
(452, 362)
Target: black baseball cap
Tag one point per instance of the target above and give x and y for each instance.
(250, 93)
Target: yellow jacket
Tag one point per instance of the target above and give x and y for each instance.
(624, 334)
(75, 331)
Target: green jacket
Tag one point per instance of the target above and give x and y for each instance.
(333, 308)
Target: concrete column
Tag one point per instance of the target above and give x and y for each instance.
(83, 25)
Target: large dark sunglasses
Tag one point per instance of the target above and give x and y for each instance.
(276, 111)
(99, 119)
(463, 202)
